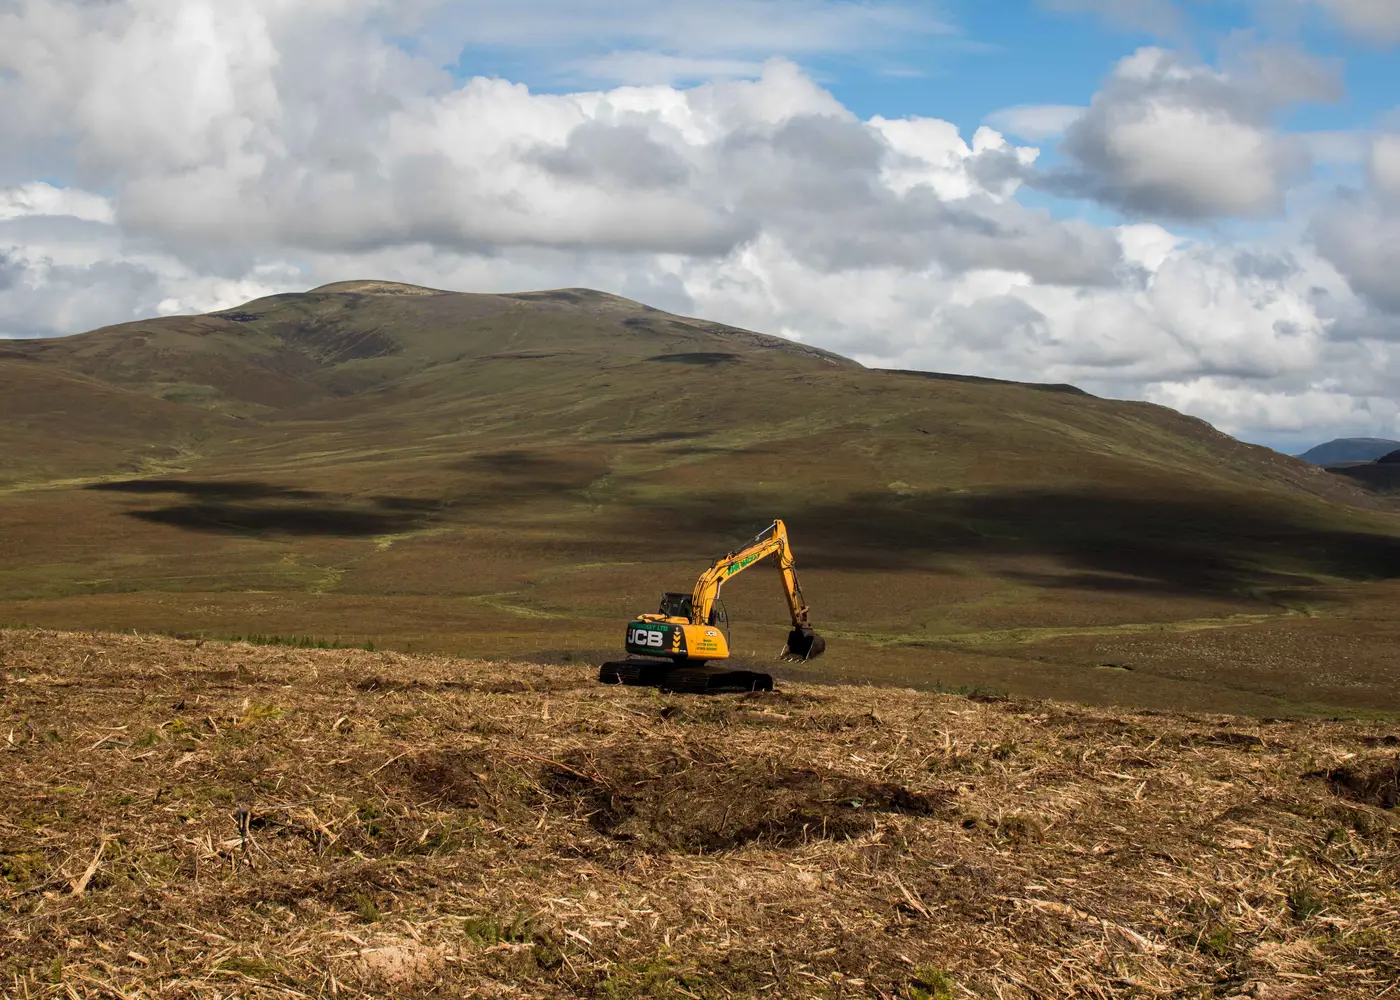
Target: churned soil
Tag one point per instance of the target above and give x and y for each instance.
(202, 819)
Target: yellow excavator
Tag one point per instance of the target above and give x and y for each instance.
(676, 643)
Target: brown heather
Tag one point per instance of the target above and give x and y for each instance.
(518, 475)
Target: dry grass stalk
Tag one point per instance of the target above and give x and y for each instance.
(286, 823)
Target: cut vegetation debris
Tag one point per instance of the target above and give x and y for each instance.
(219, 820)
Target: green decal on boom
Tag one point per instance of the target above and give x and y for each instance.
(740, 565)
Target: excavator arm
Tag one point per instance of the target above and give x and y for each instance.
(773, 540)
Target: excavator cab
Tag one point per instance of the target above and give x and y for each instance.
(676, 606)
(682, 606)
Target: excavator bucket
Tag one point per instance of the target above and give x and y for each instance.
(804, 644)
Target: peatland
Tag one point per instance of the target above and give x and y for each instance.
(517, 475)
(185, 818)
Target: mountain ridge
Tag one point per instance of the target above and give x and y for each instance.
(496, 474)
(304, 352)
(292, 342)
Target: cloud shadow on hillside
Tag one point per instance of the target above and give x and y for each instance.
(242, 507)
(514, 474)
(227, 489)
(1207, 545)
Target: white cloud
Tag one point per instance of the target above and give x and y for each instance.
(62, 274)
(39, 198)
(1376, 21)
(1291, 416)
(1177, 139)
(1036, 122)
(217, 152)
(1336, 147)
(371, 150)
(1362, 238)
(1384, 166)
(1148, 245)
(931, 153)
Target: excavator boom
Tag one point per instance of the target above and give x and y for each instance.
(773, 540)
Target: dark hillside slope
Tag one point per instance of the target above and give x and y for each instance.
(1381, 476)
(520, 473)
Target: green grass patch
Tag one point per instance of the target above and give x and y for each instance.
(366, 908)
(657, 978)
(1305, 902)
(252, 968)
(931, 984)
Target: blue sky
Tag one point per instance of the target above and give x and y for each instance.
(973, 59)
(999, 54)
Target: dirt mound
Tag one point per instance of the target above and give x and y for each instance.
(703, 801)
(1376, 785)
(458, 780)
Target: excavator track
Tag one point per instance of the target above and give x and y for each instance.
(683, 680)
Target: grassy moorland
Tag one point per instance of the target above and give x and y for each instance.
(193, 820)
(516, 475)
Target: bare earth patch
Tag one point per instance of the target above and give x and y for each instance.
(221, 820)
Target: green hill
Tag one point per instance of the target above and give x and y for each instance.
(496, 474)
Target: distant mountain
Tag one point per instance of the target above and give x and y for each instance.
(1349, 450)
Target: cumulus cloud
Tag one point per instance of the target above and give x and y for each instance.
(1384, 166)
(1362, 239)
(1293, 415)
(66, 266)
(1172, 138)
(39, 198)
(1359, 232)
(1370, 20)
(198, 155)
(1191, 311)
(366, 148)
(42, 295)
(1035, 122)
